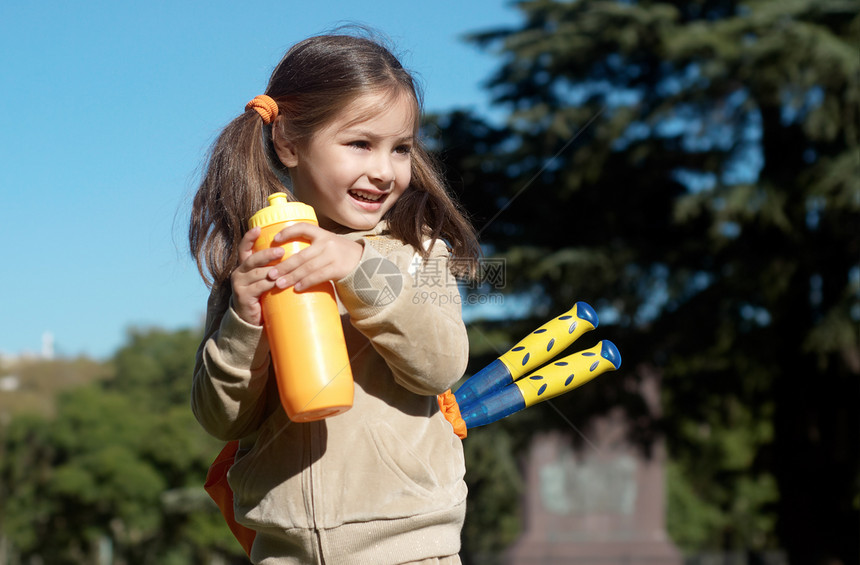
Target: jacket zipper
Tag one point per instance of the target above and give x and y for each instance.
(312, 431)
(308, 475)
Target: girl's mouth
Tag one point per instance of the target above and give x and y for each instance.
(366, 196)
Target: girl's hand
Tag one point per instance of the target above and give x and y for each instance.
(250, 279)
(329, 258)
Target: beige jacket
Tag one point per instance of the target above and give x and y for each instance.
(380, 483)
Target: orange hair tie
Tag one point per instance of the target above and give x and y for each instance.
(265, 106)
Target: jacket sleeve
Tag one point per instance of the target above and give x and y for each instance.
(230, 375)
(409, 309)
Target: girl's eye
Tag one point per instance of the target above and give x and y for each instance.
(360, 144)
(403, 149)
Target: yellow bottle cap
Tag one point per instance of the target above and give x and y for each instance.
(281, 210)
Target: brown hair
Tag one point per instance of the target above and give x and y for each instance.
(316, 79)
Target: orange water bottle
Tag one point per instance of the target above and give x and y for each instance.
(303, 328)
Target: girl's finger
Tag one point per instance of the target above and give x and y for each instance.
(254, 290)
(246, 278)
(303, 230)
(294, 261)
(310, 273)
(263, 257)
(255, 268)
(255, 265)
(246, 245)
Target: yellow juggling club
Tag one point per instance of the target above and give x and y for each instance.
(531, 352)
(547, 382)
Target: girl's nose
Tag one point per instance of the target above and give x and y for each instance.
(382, 170)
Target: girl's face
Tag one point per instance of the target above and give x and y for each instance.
(354, 169)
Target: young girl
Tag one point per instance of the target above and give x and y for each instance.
(383, 482)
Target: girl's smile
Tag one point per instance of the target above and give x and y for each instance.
(354, 169)
(367, 196)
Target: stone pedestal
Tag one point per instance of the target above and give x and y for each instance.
(600, 503)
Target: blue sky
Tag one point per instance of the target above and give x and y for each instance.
(107, 111)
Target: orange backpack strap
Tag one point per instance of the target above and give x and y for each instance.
(220, 491)
(449, 407)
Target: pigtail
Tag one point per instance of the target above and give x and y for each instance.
(427, 210)
(236, 182)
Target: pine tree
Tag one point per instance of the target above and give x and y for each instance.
(692, 169)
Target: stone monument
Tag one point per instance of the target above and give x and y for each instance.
(601, 502)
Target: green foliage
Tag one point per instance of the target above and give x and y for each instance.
(691, 170)
(495, 487)
(122, 460)
(155, 366)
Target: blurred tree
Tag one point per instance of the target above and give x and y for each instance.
(39, 381)
(155, 365)
(692, 169)
(120, 466)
